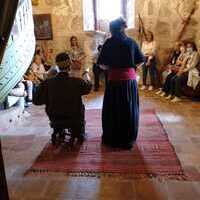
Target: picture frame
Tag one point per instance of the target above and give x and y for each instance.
(35, 2)
(43, 27)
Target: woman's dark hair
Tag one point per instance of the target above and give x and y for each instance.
(151, 34)
(72, 38)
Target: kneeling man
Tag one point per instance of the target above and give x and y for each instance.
(62, 96)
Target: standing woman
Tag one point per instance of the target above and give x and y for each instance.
(149, 50)
(77, 56)
(120, 116)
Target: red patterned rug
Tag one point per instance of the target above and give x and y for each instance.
(151, 156)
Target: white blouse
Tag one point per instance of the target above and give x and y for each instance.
(38, 71)
(149, 48)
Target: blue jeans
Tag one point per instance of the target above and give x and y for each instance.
(152, 72)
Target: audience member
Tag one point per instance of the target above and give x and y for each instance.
(181, 78)
(97, 70)
(77, 57)
(37, 70)
(172, 61)
(173, 69)
(149, 50)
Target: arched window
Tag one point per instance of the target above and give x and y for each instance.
(98, 13)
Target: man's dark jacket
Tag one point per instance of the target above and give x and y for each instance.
(62, 97)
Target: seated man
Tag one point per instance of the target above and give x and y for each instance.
(62, 96)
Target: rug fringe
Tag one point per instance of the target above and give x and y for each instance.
(160, 177)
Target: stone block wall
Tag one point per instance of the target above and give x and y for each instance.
(67, 20)
(163, 17)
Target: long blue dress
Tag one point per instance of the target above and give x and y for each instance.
(120, 114)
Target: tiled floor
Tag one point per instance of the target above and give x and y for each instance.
(181, 121)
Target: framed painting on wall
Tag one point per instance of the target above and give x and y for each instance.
(43, 27)
(35, 2)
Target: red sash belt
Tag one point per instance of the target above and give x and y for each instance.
(122, 74)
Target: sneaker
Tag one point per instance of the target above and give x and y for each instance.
(143, 87)
(175, 99)
(168, 97)
(150, 88)
(162, 94)
(159, 92)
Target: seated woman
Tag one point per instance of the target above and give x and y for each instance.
(194, 81)
(77, 57)
(173, 68)
(172, 61)
(97, 71)
(45, 55)
(181, 78)
(37, 70)
(149, 50)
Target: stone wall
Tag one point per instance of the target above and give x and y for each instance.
(163, 17)
(67, 20)
(166, 17)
